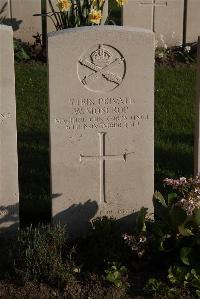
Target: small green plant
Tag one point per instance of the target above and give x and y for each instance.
(162, 54)
(21, 51)
(183, 54)
(178, 215)
(173, 237)
(156, 287)
(116, 274)
(185, 277)
(38, 255)
(186, 54)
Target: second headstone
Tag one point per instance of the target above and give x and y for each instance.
(9, 197)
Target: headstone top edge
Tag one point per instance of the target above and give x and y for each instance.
(100, 28)
(6, 27)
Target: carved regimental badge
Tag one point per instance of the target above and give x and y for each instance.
(101, 68)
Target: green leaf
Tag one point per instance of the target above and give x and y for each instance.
(161, 210)
(158, 197)
(140, 222)
(185, 255)
(177, 216)
(114, 277)
(171, 199)
(77, 21)
(118, 283)
(198, 293)
(186, 232)
(177, 274)
(197, 216)
(123, 269)
(161, 242)
(196, 283)
(172, 278)
(195, 274)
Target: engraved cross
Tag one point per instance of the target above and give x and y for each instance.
(102, 158)
(154, 4)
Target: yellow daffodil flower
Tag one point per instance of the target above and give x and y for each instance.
(95, 16)
(63, 5)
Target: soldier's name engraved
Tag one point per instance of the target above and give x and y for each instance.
(101, 101)
(100, 110)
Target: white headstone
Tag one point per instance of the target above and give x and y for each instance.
(138, 13)
(9, 204)
(24, 24)
(192, 21)
(168, 22)
(164, 17)
(101, 90)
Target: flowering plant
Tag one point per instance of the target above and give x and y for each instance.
(176, 218)
(188, 193)
(75, 13)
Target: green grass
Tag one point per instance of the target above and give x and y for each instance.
(174, 132)
(174, 122)
(33, 143)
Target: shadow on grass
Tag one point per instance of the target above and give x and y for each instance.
(34, 178)
(183, 138)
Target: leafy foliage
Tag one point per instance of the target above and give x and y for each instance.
(185, 277)
(169, 243)
(38, 255)
(21, 51)
(156, 287)
(69, 13)
(116, 274)
(172, 239)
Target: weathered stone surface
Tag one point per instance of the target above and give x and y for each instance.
(138, 13)
(50, 24)
(9, 215)
(192, 24)
(24, 24)
(4, 11)
(168, 22)
(101, 90)
(164, 17)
